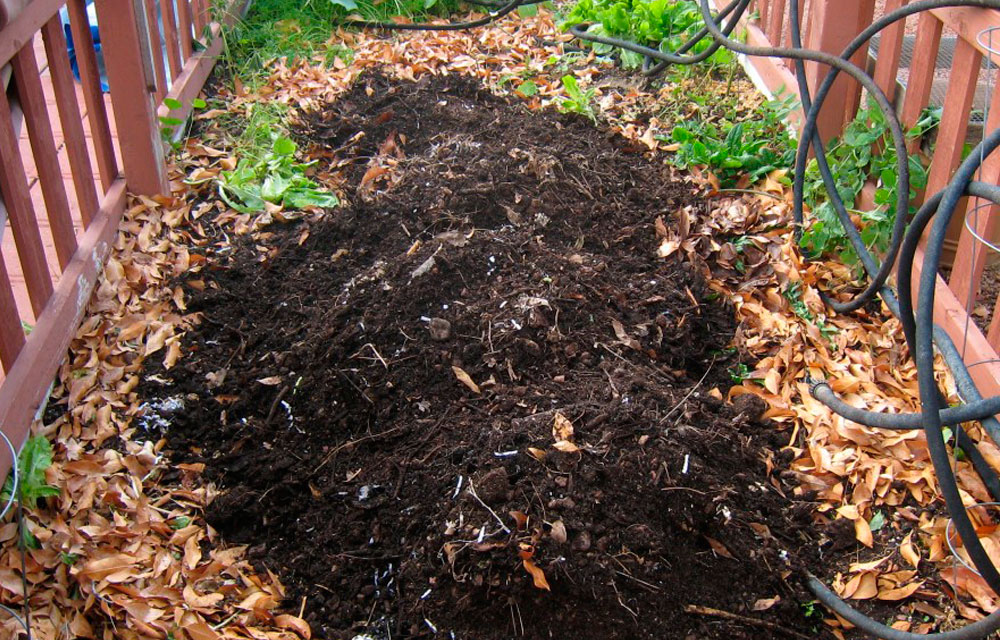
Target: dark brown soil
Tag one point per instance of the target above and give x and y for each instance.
(322, 391)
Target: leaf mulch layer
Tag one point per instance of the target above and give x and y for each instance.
(468, 403)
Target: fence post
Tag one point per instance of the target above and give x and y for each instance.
(832, 24)
(132, 96)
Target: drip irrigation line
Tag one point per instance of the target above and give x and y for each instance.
(921, 334)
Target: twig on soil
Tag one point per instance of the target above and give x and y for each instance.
(375, 351)
(754, 622)
(690, 392)
(351, 443)
(472, 492)
(277, 401)
(356, 388)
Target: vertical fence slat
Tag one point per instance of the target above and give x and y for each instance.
(866, 11)
(69, 117)
(184, 25)
(24, 226)
(918, 87)
(155, 48)
(775, 21)
(970, 258)
(890, 51)
(198, 9)
(45, 153)
(11, 335)
(90, 78)
(955, 117)
(135, 113)
(170, 36)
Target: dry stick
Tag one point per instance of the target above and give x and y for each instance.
(472, 492)
(351, 443)
(754, 622)
(689, 393)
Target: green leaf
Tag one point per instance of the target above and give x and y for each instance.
(180, 522)
(877, 521)
(274, 187)
(34, 459)
(172, 103)
(348, 5)
(198, 103)
(527, 88)
(284, 146)
(170, 121)
(298, 198)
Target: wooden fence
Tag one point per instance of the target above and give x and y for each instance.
(935, 58)
(151, 49)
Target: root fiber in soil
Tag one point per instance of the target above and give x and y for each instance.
(472, 402)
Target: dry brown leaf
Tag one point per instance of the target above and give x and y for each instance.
(562, 428)
(298, 625)
(537, 575)
(465, 379)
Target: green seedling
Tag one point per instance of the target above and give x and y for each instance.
(578, 100)
(174, 130)
(274, 177)
(34, 459)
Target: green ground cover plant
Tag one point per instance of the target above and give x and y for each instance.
(666, 24)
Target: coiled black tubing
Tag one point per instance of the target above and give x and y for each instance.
(922, 335)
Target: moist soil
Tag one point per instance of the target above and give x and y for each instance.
(473, 403)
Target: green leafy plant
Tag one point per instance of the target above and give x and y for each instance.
(174, 130)
(578, 100)
(793, 293)
(739, 372)
(751, 147)
(274, 177)
(666, 24)
(34, 459)
(864, 152)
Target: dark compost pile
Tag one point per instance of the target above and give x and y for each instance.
(473, 403)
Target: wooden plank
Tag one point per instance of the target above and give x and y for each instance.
(188, 85)
(170, 37)
(21, 213)
(764, 8)
(28, 380)
(918, 87)
(20, 31)
(148, 18)
(11, 335)
(952, 130)
(866, 11)
(950, 316)
(69, 117)
(775, 21)
(968, 22)
(135, 113)
(971, 256)
(185, 26)
(93, 96)
(45, 153)
(832, 25)
(890, 50)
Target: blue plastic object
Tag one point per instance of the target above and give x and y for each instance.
(95, 34)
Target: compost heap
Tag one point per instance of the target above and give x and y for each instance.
(473, 402)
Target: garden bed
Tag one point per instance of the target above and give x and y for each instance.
(471, 402)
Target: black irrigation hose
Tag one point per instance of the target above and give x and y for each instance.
(921, 334)
(500, 12)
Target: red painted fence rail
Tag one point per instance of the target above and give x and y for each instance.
(63, 190)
